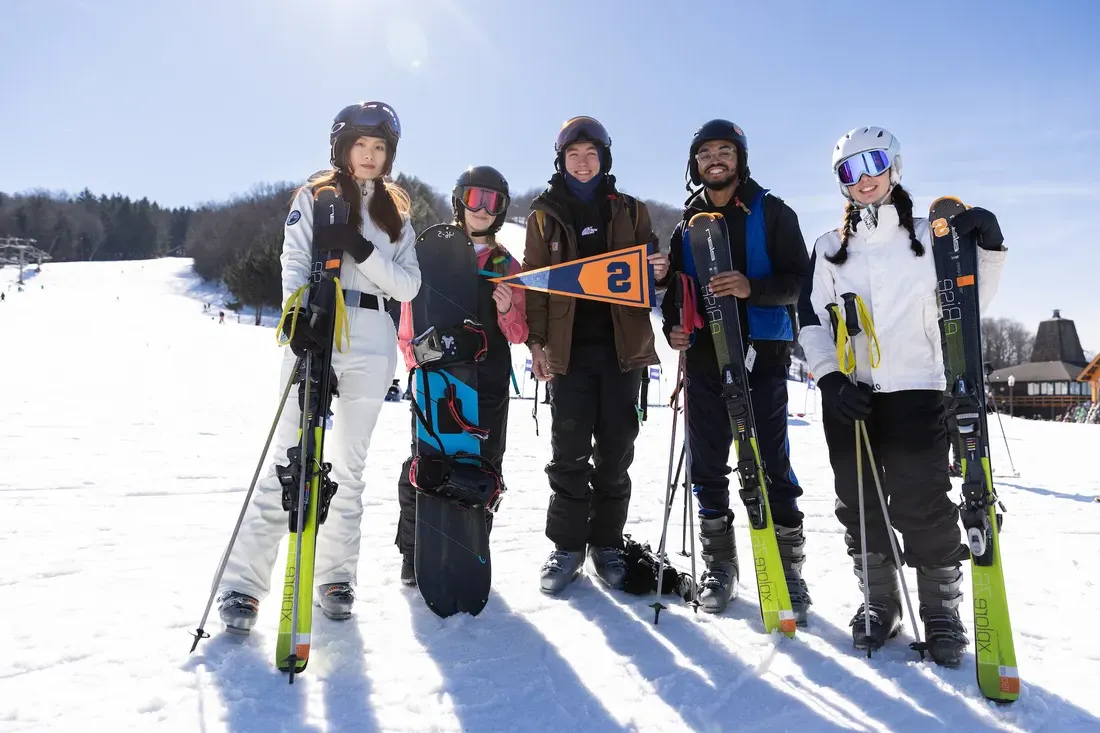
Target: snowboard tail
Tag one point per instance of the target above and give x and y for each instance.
(957, 271)
(710, 249)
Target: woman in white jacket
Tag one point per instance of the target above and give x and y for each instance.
(379, 263)
(883, 254)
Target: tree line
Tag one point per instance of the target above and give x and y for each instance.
(238, 241)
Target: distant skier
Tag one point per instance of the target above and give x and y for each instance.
(221, 317)
(479, 201)
(770, 261)
(881, 252)
(379, 262)
(593, 353)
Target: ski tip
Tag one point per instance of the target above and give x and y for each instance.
(704, 215)
(327, 190)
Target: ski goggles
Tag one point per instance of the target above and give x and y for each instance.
(581, 129)
(475, 197)
(371, 116)
(871, 162)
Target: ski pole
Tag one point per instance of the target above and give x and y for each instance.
(1004, 435)
(199, 633)
(670, 489)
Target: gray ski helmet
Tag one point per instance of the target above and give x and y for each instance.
(719, 130)
(583, 129)
(480, 176)
(372, 119)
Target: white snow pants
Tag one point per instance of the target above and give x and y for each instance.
(364, 372)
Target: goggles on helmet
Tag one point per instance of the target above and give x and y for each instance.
(473, 198)
(871, 162)
(581, 129)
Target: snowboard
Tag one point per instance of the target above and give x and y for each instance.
(709, 242)
(456, 491)
(307, 492)
(961, 336)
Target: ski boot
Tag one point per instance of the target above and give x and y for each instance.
(238, 612)
(718, 584)
(336, 600)
(408, 570)
(609, 564)
(939, 592)
(884, 608)
(561, 569)
(792, 551)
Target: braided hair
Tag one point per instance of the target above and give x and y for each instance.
(903, 203)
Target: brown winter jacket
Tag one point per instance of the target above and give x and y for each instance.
(550, 317)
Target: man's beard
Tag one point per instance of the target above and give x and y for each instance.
(721, 183)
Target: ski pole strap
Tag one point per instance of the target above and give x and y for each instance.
(293, 307)
(846, 325)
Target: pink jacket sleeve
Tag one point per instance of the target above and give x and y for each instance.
(405, 335)
(513, 324)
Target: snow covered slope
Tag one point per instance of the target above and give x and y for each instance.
(131, 427)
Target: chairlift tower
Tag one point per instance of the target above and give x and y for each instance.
(17, 250)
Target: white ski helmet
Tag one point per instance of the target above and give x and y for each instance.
(862, 140)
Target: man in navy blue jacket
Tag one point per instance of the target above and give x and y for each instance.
(770, 262)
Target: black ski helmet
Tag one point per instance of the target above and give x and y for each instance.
(719, 130)
(372, 119)
(583, 129)
(480, 176)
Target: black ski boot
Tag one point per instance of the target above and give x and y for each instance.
(884, 608)
(718, 584)
(792, 551)
(336, 600)
(237, 611)
(408, 570)
(939, 592)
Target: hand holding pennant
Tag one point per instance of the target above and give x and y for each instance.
(619, 277)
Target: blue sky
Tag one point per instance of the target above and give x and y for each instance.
(196, 100)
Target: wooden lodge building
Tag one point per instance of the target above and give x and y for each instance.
(1056, 377)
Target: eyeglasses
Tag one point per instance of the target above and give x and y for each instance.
(726, 154)
(495, 203)
(871, 162)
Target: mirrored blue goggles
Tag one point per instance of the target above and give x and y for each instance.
(871, 162)
(377, 115)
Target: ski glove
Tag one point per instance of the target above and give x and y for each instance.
(344, 237)
(307, 338)
(845, 401)
(984, 224)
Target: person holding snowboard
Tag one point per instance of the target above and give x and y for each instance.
(770, 262)
(480, 201)
(594, 355)
(882, 253)
(379, 263)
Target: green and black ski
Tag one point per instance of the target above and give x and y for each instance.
(961, 331)
(710, 249)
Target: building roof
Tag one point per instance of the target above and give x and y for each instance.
(1056, 341)
(1091, 373)
(1041, 371)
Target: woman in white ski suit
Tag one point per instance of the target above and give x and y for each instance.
(376, 266)
(883, 254)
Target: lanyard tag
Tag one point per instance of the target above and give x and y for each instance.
(750, 358)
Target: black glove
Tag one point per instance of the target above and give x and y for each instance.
(847, 402)
(306, 338)
(984, 224)
(344, 237)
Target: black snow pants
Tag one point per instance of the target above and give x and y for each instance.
(711, 439)
(909, 441)
(594, 423)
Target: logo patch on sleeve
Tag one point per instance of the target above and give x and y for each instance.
(293, 218)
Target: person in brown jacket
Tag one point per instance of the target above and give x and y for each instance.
(594, 355)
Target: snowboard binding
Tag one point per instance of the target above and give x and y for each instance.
(474, 485)
(440, 348)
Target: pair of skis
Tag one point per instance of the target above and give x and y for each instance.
(706, 235)
(961, 333)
